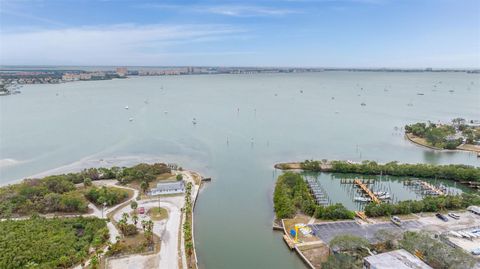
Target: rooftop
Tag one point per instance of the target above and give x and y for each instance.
(398, 259)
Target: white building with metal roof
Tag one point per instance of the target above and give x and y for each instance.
(168, 188)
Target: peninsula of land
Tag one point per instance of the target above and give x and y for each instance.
(115, 217)
(460, 134)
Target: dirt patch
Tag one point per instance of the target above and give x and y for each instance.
(290, 225)
(316, 255)
(469, 147)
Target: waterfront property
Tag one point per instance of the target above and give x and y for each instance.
(294, 124)
(168, 188)
(399, 259)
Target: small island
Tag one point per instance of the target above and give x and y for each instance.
(459, 134)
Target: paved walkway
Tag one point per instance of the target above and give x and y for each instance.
(168, 230)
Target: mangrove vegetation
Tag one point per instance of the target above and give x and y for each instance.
(292, 196)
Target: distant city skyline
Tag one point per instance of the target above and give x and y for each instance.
(288, 33)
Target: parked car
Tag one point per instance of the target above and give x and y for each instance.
(396, 220)
(453, 215)
(442, 217)
(141, 210)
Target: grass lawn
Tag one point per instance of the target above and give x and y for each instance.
(157, 214)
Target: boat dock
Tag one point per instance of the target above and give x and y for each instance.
(352, 181)
(365, 189)
(318, 192)
(426, 188)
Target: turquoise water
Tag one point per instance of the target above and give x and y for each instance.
(245, 124)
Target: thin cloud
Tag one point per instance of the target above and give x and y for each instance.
(115, 44)
(24, 15)
(227, 10)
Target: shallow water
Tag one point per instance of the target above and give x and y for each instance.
(245, 124)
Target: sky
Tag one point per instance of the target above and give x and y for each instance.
(289, 33)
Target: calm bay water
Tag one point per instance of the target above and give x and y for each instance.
(245, 124)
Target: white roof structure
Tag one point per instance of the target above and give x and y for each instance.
(168, 188)
(398, 259)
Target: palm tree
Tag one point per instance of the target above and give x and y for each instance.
(125, 216)
(144, 186)
(135, 219)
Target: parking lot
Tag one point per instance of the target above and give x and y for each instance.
(328, 230)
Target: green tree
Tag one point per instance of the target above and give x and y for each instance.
(87, 182)
(144, 186)
(348, 242)
(134, 206)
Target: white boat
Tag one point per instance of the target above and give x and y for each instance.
(131, 119)
(362, 199)
(126, 107)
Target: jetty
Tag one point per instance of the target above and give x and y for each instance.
(432, 188)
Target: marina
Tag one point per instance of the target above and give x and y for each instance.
(355, 191)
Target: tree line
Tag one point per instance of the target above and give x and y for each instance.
(58, 193)
(457, 172)
(292, 195)
(428, 204)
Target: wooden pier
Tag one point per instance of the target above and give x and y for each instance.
(364, 187)
(352, 181)
(432, 188)
(361, 215)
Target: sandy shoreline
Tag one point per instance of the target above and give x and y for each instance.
(85, 163)
(412, 139)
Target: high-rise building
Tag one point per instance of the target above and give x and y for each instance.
(122, 71)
